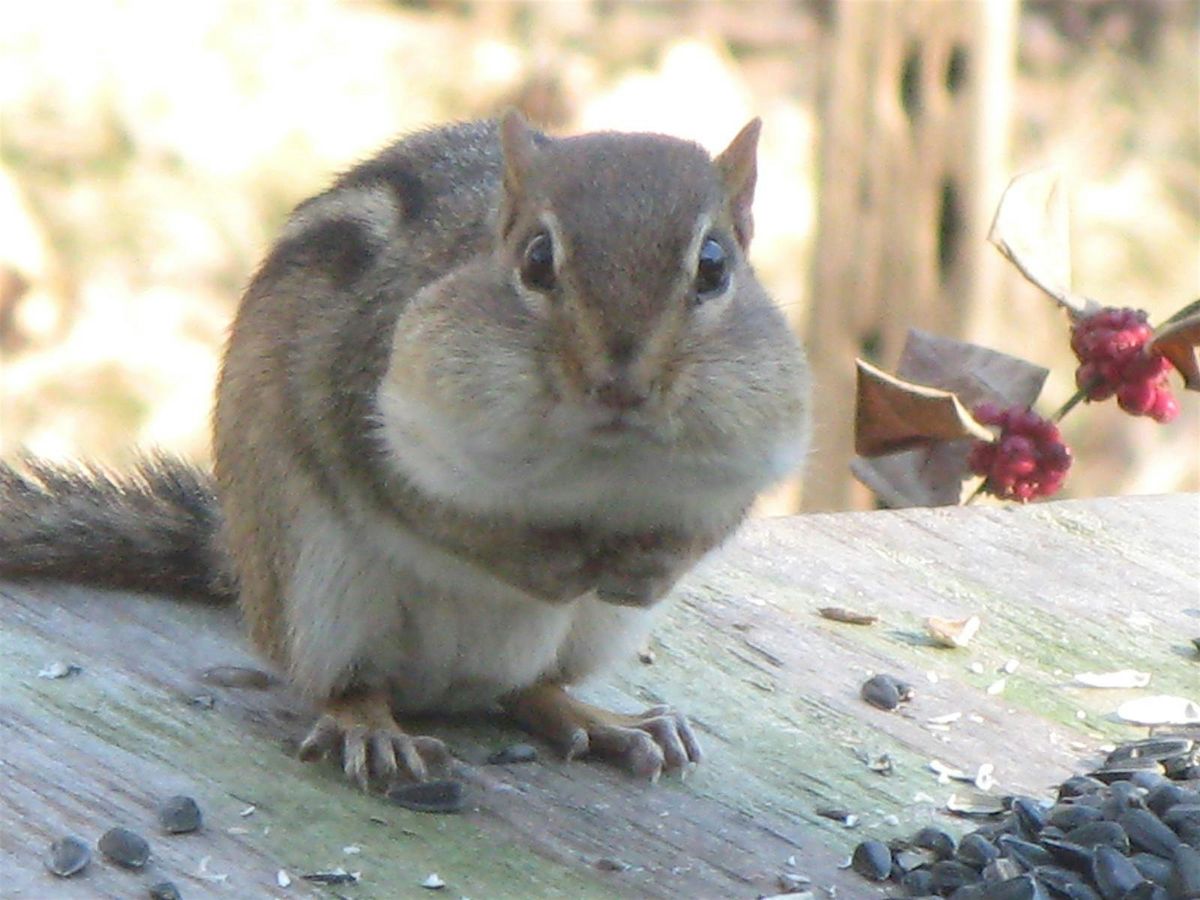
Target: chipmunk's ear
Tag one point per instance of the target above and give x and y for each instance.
(738, 165)
(516, 143)
(518, 150)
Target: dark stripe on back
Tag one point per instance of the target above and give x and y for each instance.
(405, 186)
(339, 248)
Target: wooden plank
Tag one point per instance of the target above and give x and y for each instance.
(773, 689)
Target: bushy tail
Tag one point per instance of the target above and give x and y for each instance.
(153, 528)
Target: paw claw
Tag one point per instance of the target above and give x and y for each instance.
(577, 745)
(372, 748)
(321, 739)
(355, 756)
(413, 764)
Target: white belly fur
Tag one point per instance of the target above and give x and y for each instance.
(444, 635)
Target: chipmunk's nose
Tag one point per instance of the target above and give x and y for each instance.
(619, 389)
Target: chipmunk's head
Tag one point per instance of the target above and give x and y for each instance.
(628, 249)
(612, 348)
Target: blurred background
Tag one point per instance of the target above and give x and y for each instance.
(149, 151)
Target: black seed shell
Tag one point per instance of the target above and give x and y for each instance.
(125, 848)
(872, 859)
(68, 856)
(179, 815)
(445, 796)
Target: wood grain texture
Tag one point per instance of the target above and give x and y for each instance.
(772, 687)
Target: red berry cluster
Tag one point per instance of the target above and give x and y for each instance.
(1027, 460)
(1111, 348)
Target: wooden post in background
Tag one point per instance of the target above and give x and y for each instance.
(914, 115)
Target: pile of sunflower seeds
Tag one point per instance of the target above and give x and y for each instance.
(1128, 831)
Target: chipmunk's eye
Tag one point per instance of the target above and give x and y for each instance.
(712, 270)
(537, 265)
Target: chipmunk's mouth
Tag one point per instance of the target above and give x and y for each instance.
(622, 428)
(604, 429)
(615, 425)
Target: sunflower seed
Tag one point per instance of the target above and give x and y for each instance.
(1182, 814)
(1151, 748)
(1153, 868)
(1069, 854)
(1185, 875)
(918, 882)
(125, 848)
(1027, 853)
(849, 616)
(1023, 887)
(1113, 873)
(950, 875)
(1057, 878)
(605, 864)
(872, 859)
(67, 856)
(179, 815)
(1147, 832)
(332, 877)
(238, 677)
(1071, 815)
(446, 796)
(1030, 815)
(885, 692)
(940, 842)
(976, 851)
(1147, 890)
(1079, 786)
(1100, 834)
(1001, 869)
(513, 754)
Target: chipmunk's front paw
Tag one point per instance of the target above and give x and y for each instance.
(646, 745)
(372, 747)
(658, 740)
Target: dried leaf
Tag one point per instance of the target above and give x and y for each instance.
(973, 373)
(930, 476)
(1177, 339)
(1032, 229)
(933, 474)
(894, 415)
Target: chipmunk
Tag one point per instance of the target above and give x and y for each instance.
(488, 397)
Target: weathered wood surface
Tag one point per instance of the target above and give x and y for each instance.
(773, 688)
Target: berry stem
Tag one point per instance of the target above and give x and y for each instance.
(1078, 397)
